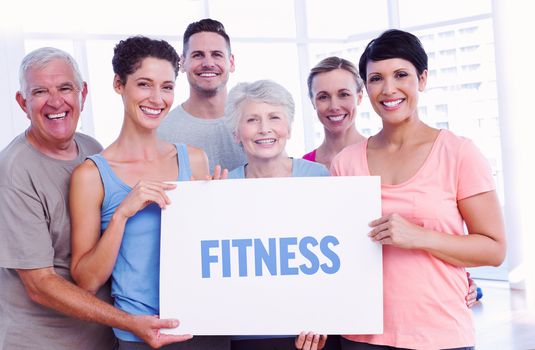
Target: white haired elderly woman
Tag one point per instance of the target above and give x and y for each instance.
(261, 114)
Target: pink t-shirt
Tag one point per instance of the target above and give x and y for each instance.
(424, 297)
(311, 156)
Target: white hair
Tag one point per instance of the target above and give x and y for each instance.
(264, 91)
(40, 58)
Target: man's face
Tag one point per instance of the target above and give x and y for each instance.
(207, 63)
(53, 102)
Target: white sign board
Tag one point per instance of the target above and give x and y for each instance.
(272, 256)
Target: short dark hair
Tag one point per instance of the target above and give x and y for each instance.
(128, 54)
(394, 43)
(204, 25)
(329, 64)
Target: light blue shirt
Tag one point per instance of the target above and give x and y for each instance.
(300, 168)
(136, 274)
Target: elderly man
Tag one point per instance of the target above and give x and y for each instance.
(200, 121)
(40, 307)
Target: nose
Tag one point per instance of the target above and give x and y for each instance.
(389, 86)
(55, 99)
(207, 61)
(156, 96)
(334, 103)
(264, 127)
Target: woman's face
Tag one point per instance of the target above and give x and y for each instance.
(393, 87)
(263, 130)
(335, 98)
(148, 93)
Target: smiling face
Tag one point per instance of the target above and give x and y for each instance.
(335, 98)
(393, 87)
(208, 63)
(263, 130)
(53, 102)
(148, 93)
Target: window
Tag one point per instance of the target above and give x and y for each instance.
(448, 52)
(470, 67)
(468, 30)
(442, 125)
(470, 48)
(443, 108)
(422, 111)
(471, 86)
(447, 34)
(448, 70)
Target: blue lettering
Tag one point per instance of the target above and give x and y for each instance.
(225, 257)
(261, 255)
(309, 255)
(242, 245)
(330, 254)
(206, 258)
(286, 256)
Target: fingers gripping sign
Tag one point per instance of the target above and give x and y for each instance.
(219, 174)
(395, 230)
(144, 193)
(310, 341)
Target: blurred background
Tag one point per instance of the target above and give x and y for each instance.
(480, 69)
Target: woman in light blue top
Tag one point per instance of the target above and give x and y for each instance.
(117, 196)
(261, 114)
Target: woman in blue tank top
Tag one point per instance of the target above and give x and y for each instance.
(261, 114)
(117, 196)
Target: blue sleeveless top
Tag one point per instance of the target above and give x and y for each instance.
(136, 275)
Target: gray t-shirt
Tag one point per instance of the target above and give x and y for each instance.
(214, 136)
(35, 233)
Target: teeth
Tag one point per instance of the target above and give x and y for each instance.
(265, 141)
(392, 103)
(57, 115)
(208, 74)
(336, 118)
(150, 110)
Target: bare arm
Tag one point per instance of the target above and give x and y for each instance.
(47, 288)
(484, 245)
(94, 255)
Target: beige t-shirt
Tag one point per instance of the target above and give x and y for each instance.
(35, 233)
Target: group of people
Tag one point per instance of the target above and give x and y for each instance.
(81, 224)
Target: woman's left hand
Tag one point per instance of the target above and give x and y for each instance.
(393, 229)
(219, 174)
(310, 341)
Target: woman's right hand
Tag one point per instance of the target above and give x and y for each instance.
(144, 193)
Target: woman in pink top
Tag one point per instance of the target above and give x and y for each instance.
(335, 90)
(433, 182)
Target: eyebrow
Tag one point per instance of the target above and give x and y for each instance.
(152, 80)
(209, 51)
(41, 87)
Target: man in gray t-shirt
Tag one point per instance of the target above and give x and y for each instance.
(40, 307)
(207, 61)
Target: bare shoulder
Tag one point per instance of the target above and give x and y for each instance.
(196, 154)
(86, 183)
(198, 162)
(86, 172)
